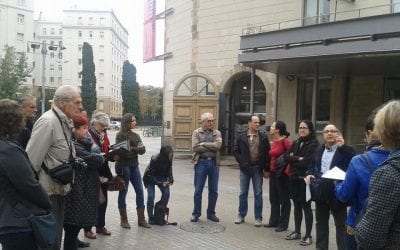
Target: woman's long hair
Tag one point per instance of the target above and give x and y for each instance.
(281, 126)
(126, 123)
(165, 151)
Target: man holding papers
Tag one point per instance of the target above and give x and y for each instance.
(333, 153)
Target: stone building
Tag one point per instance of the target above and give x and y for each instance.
(322, 60)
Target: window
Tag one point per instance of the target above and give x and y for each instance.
(21, 2)
(101, 77)
(80, 75)
(101, 48)
(52, 31)
(44, 31)
(101, 34)
(80, 20)
(79, 33)
(52, 55)
(392, 89)
(60, 31)
(242, 96)
(79, 61)
(20, 19)
(51, 67)
(101, 62)
(80, 47)
(102, 20)
(322, 105)
(51, 79)
(91, 20)
(316, 11)
(59, 67)
(101, 105)
(395, 6)
(59, 80)
(90, 34)
(20, 37)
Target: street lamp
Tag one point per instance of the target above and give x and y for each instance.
(43, 51)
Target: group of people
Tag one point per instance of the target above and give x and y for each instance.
(64, 135)
(372, 176)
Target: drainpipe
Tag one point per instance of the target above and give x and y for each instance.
(314, 95)
(276, 97)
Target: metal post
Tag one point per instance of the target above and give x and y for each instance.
(44, 52)
(253, 72)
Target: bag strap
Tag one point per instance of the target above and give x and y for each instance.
(45, 168)
(366, 157)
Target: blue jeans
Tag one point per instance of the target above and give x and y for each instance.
(254, 173)
(202, 169)
(151, 195)
(132, 174)
(22, 240)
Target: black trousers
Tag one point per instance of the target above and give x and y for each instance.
(279, 200)
(322, 214)
(71, 236)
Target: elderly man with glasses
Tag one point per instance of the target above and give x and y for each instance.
(333, 153)
(206, 143)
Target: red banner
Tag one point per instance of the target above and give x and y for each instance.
(149, 30)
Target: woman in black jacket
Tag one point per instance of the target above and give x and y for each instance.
(19, 186)
(301, 158)
(81, 203)
(159, 172)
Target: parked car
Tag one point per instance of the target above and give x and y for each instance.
(115, 125)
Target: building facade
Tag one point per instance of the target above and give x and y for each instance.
(109, 41)
(322, 60)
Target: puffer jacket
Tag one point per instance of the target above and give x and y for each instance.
(18, 187)
(380, 226)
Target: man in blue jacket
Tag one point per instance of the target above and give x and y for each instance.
(333, 153)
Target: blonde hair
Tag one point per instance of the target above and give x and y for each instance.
(387, 125)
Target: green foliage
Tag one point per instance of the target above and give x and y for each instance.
(151, 103)
(13, 71)
(48, 98)
(88, 89)
(130, 90)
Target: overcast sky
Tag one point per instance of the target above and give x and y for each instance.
(130, 14)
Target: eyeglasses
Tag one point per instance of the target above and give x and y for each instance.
(332, 131)
(303, 128)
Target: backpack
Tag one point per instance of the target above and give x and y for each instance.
(161, 212)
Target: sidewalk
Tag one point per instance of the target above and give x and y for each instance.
(244, 236)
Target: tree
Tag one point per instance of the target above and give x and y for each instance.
(130, 90)
(88, 89)
(13, 71)
(150, 103)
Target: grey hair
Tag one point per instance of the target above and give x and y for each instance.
(101, 118)
(205, 116)
(23, 99)
(65, 93)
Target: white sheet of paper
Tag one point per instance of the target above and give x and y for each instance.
(308, 191)
(335, 173)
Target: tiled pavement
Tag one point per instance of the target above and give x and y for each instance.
(244, 236)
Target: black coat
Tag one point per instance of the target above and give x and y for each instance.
(242, 152)
(81, 203)
(341, 159)
(157, 171)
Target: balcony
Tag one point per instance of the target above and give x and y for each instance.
(284, 49)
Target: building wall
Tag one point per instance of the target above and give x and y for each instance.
(109, 41)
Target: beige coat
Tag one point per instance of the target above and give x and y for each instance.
(199, 144)
(48, 145)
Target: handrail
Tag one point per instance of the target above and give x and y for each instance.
(305, 21)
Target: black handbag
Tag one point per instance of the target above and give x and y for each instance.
(63, 174)
(322, 190)
(280, 165)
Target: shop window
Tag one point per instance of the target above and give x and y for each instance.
(392, 89)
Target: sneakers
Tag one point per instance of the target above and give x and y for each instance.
(194, 218)
(293, 236)
(239, 220)
(305, 241)
(258, 223)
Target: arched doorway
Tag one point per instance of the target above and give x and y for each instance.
(245, 97)
(194, 95)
